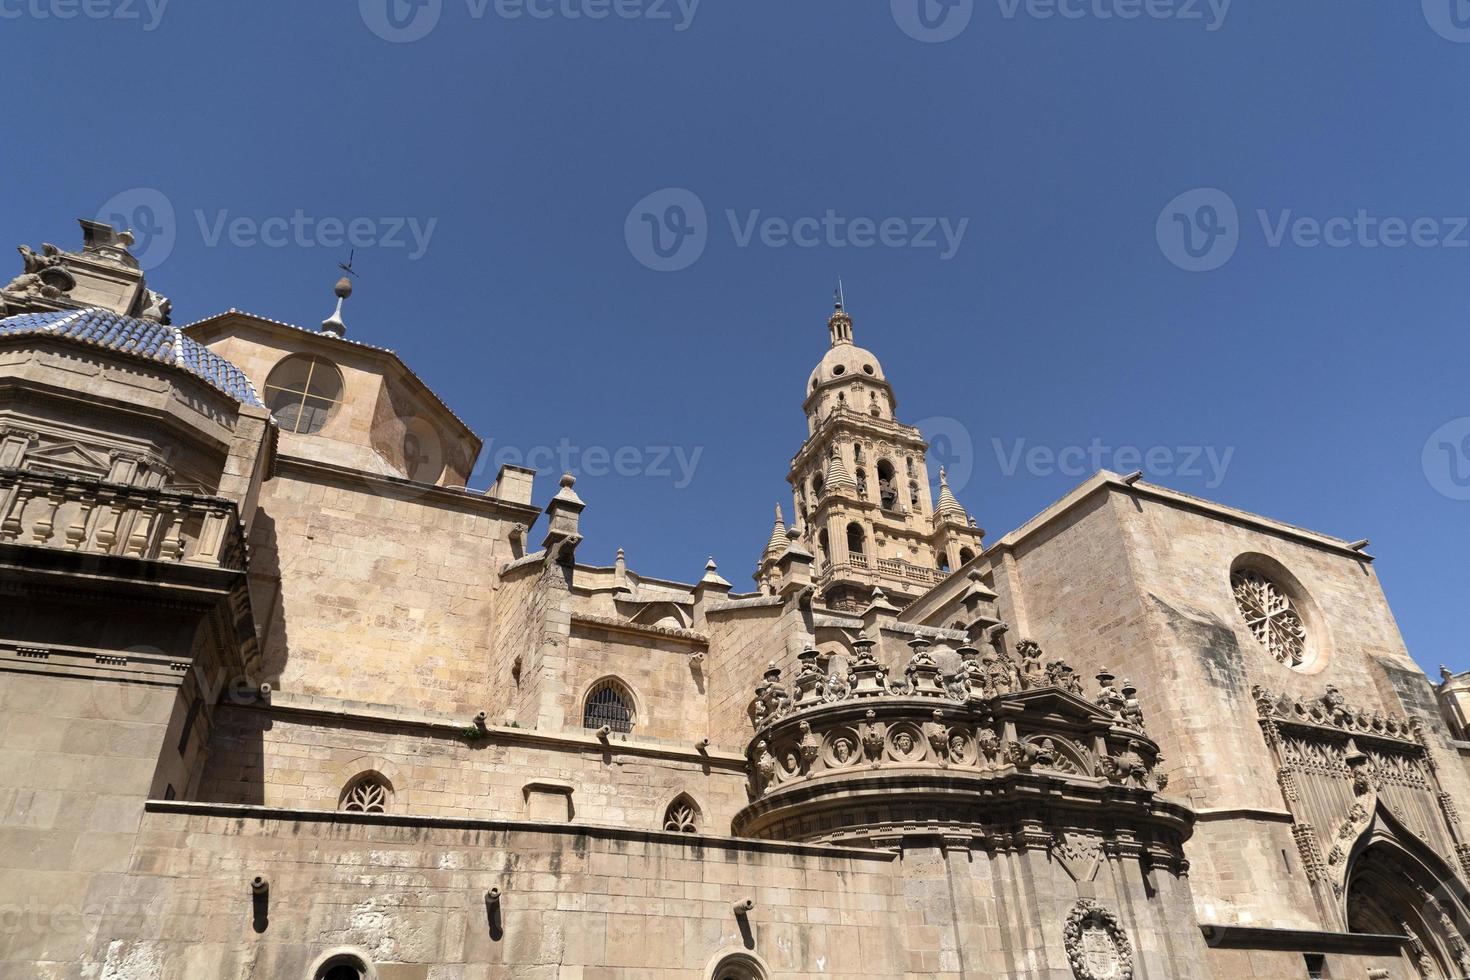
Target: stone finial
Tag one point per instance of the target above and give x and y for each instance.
(948, 508)
(563, 531)
(778, 539)
(333, 324)
(712, 579)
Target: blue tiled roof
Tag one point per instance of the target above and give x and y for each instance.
(140, 338)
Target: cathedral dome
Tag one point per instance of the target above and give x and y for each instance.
(844, 362)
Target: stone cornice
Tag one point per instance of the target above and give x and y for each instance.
(284, 704)
(271, 814)
(1106, 480)
(589, 621)
(392, 486)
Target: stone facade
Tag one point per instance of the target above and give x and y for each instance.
(283, 699)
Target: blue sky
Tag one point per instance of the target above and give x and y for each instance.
(1235, 232)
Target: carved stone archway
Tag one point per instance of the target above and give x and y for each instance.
(1391, 891)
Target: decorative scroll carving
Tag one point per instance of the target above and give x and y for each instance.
(1097, 947)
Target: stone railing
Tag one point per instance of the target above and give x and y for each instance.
(95, 517)
(852, 755)
(916, 573)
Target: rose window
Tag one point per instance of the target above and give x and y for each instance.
(1272, 618)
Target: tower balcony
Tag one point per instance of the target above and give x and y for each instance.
(997, 754)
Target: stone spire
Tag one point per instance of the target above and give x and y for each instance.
(837, 476)
(948, 508)
(778, 541)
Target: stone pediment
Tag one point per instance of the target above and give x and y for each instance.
(1054, 704)
(69, 457)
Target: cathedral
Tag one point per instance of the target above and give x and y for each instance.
(281, 698)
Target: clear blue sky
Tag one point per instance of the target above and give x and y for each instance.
(1061, 318)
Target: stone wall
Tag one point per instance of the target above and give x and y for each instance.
(304, 758)
(380, 593)
(77, 759)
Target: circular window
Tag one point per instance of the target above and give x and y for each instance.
(303, 392)
(867, 369)
(840, 369)
(1271, 616)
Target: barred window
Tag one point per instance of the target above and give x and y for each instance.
(609, 703)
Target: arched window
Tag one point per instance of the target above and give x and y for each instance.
(966, 556)
(682, 816)
(303, 392)
(822, 543)
(817, 486)
(944, 563)
(368, 793)
(344, 965)
(887, 486)
(914, 495)
(609, 703)
(862, 483)
(855, 539)
(857, 452)
(739, 966)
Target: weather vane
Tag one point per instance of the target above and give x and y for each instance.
(347, 266)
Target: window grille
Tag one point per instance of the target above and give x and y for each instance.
(610, 704)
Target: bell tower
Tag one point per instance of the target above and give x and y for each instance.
(860, 489)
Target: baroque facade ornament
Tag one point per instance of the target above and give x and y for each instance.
(1097, 947)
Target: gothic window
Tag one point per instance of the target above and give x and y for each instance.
(609, 703)
(855, 539)
(367, 793)
(887, 487)
(682, 816)
(1272, 618)
(303, 392)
